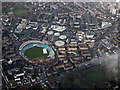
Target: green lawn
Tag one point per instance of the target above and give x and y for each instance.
(35, 52)
(25, 33)
(20, 12)
(70, 55)
(75, 50)
(84, 84)
(88, 78)
(95, 76)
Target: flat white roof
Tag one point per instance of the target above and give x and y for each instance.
(58, 28)
(21, 74)
(17, 79)
(44, 51)
(50, 32)
(21, 25)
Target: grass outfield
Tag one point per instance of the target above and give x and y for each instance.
(20, 12)
(35, 52)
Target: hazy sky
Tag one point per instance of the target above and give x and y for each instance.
(117, 0)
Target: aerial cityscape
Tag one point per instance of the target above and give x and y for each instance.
(60, 45)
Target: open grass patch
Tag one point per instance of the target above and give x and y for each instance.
(95, 76)
(20, 12)
(35, 52)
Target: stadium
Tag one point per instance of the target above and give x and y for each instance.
(36, 51)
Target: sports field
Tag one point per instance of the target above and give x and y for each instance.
(20, 12)
(35, 52)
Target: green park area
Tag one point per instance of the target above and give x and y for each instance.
(35, 52)
(96, 75)
(87, 78)
(70, 55)
(20, 12)
(6, 10)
